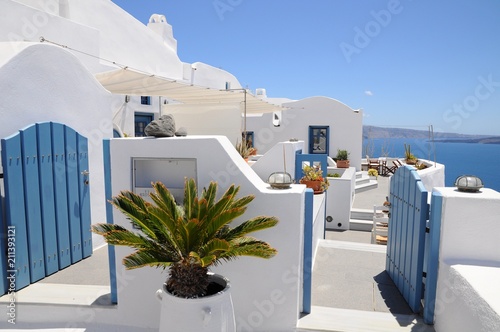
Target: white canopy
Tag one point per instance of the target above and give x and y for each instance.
(130, 82)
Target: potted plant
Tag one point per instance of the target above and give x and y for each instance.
(373, 173)
(313, 178)
(188, 239)
(334, 175)
(410, 158)
(244, 150)
(342, 158)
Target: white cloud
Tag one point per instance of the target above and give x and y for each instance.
(368, 93)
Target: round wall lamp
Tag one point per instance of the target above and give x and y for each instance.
(280, 180)
(469, 183)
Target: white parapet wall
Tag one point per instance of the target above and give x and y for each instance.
(468, 295)
(433, 175)
(266, 293)
(279, 158)
(340, 196)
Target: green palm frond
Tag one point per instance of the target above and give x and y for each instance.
(214, 246)
(210, 194)
(222, 219)
(164, 200)
(248, 246)
(243, 201)
(135, 209)
(117, 235)
(190, 196)
(250, 226)
(153, 258)
(224, 202)
(190, 237)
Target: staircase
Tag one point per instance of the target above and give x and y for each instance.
(362, 219)
(364, 183)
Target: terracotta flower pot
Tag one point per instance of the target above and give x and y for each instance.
(315, 185)
(343, 163)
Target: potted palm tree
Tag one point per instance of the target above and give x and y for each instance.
(188, 239)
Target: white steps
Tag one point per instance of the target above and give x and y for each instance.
(364, 182)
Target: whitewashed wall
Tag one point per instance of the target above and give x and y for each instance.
(345, 124)
(209, 119)
(469, 259)
(433, 175)
(103, 29)
(47, 83)
(340, 198)
(265, 292)
(278, 159)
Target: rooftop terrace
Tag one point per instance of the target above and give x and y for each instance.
(351, 290)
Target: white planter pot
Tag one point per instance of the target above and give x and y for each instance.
(212, 313)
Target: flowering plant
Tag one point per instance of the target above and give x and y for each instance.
(314, 173)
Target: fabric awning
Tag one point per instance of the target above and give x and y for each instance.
(130, 82)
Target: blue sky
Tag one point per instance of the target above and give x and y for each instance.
(406, 63)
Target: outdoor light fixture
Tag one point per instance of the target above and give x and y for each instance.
(469, 183)
(280, 180)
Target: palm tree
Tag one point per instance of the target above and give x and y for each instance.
(186, 238)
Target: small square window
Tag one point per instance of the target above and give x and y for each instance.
(145, 100)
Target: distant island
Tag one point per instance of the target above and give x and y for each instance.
(370, 132)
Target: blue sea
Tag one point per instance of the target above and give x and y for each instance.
(482, 160)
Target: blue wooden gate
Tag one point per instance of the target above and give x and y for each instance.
(47, 203)
(407, 235)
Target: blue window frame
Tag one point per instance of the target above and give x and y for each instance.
(141, 121)
(248, 137)
(145, 100)
(319, 139)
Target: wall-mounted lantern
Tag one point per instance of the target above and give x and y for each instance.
(469, 183)
(280, 180)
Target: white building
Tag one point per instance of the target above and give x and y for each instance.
(65, 61)
(49, 75)
(47, 82)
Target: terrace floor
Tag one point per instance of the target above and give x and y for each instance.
(350, 289)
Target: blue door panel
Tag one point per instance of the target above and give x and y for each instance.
(83, 187)
(406, 234)
(48, 214)
(47, 203)
(60, 195)
(14, 207)
(75, 232)
(32, 203)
